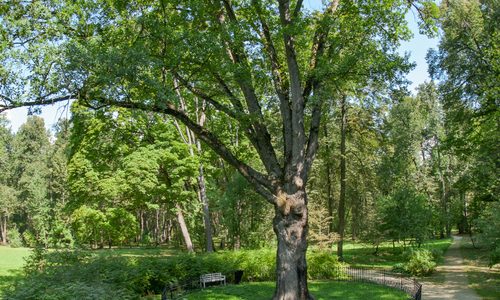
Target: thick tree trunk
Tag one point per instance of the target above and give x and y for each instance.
(184, 230)
(341, 211)
(291, 227)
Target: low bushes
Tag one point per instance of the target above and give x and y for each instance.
(418, 262)
(75, 275)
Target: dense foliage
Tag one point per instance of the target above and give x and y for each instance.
(51, 275)
(418, 262)
(217, 125)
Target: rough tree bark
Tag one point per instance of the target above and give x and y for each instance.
(291, 227)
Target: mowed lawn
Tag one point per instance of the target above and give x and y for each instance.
(11, 264)
(135, 251)
(362, 254)
(485, 280)
(322, 290)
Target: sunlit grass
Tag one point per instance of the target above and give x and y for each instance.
(136, 251)
(388, 254)
(11, 264)
(322, 290)
(485, 280)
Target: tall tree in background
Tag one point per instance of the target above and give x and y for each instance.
(8, 199)
(190, 139)
(32, 151)
(468, 66)
(235, 56)
(58, 192)
(136, 158)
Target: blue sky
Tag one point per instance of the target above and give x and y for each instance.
(417, 46)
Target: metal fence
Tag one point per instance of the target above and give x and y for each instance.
(383, 277)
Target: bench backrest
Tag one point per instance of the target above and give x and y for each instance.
(211, 276)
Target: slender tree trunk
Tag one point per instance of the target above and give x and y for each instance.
(291, 226)
(157, 228)
(142, 227)
(329, 182)
(206, 211)
(184, 230)
(443, 184)
(3, 229)
(191, 140)
(237, 228)
(341, 211)
(169, 231)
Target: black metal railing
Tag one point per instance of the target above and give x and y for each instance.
(383, 277)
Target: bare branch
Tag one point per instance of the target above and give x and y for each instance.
(280, 84)
(6, 103)
(297, 9)
(206, 97)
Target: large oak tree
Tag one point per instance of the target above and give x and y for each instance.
(243, 58)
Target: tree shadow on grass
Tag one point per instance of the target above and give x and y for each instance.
(485, 282)
(385, 257)
(7, 281)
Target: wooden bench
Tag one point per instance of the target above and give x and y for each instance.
(213, 277)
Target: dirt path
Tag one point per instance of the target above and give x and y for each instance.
(456, 284)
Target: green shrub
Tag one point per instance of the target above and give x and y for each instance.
(35, 261)
(29, 239)
(323, 265)
(65, 274)
(418, 262)
(14, 238)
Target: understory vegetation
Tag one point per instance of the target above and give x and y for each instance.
(68, 274)
(134, 273)
(253, 135)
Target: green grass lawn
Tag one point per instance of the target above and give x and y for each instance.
(11, 264)
(322, 290)
(361, 254)
(485, 280)
(136, 251)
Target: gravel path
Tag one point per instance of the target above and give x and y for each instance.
(456, 284)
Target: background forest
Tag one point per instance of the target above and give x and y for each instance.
(391, 165)
(114, 178)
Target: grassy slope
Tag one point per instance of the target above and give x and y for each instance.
(322, 290)
(484, 280)
(11, 263)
